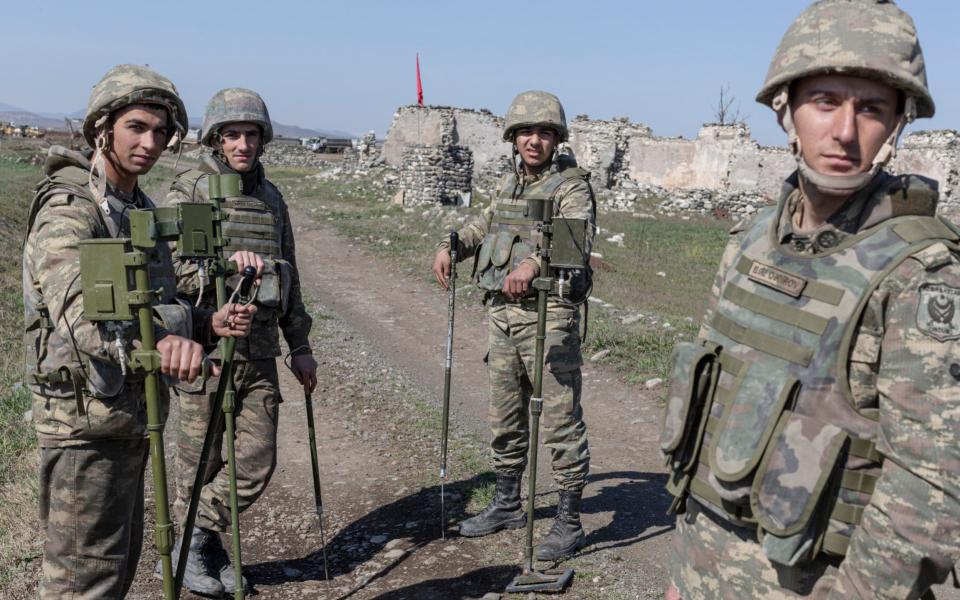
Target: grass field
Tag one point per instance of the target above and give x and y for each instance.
(662, 271)
(18, 460)
(19, 540)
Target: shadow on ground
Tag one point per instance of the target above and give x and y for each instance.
(637, 501)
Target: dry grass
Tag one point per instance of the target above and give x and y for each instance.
(18, 458)
(19, 526)
(663, 270)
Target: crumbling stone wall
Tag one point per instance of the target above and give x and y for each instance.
(935, 154)
(603, 147)
(364, 154)
(436, 173)
(290, 155)
(479, 130)
(723, 168)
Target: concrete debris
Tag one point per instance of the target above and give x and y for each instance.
(652, 384)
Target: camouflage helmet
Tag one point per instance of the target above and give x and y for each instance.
(124, 85)
(534, 108)
(232, 105)
(873, 39)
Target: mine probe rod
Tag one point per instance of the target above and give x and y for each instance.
(315, 466)
(447, 368)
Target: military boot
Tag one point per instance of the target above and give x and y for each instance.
(503, 512)
(229, 580)
(200, 575)
(566, 535)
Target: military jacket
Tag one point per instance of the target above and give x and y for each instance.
(504, 235)
(258, 222)
(72, 365)
(821, 385)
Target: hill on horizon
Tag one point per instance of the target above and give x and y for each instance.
(54, 120)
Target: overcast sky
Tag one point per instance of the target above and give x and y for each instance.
(349, 64)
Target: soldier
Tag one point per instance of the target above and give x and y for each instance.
(813, 429)
(501, 241)
(236, 127)
(90, 417)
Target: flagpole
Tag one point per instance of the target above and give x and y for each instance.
(419, 99)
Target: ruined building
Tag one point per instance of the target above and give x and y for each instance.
(723, 166)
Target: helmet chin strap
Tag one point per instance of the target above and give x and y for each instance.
(840, 185)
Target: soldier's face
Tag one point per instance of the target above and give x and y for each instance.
(139, 135)
(240, 145)
(536, 145)
(842, 121)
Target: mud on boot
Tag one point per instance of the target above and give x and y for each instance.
(201, 575)
(566, 535)
(503, 512)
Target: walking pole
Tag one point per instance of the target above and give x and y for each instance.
(447, 367)
(315, 466)
(531, 580)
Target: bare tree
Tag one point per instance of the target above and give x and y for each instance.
(725, 113)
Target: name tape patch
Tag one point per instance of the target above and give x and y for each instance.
(778, 279)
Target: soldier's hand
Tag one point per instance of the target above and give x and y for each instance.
(233, 320)
(441, 268)
(304, 367)
(245, 258)
(672, 593)
(180, 358)
(517, 283)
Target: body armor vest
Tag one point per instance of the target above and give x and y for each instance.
(513, 235)
(761, 427)
(252, 223)
(53, 366)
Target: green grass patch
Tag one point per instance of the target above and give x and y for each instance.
(18, 457)
(665, 265)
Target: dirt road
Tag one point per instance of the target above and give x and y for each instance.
(380, 336)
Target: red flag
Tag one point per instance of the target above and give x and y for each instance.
(419, 84)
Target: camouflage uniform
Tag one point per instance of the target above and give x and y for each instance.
(899, 369)
(813, 429)
(512, 341)
(500, 240)
(255, 376)
(90, 419)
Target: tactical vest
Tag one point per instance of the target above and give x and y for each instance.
(761, 428)
(513, 234)
(251, 222)
(254, 224)
(58, 371)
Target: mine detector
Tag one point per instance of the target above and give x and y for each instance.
(562, 247)
(117, 292)
(210, 261)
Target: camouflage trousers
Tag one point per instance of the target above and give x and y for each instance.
(256, 413)
(513, 333)
(713, 560)
(91, 513)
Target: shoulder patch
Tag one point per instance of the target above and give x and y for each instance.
(935, 256)
(937, 314)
